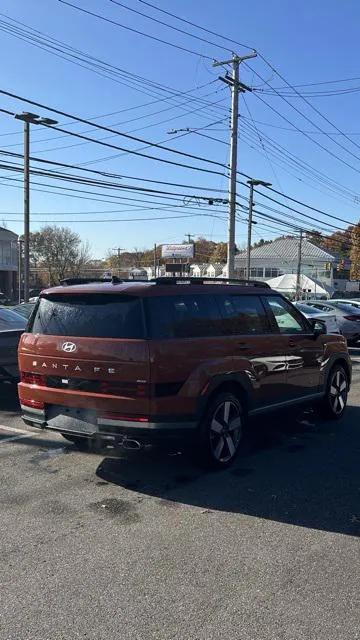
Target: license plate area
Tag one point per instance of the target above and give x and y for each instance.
(72, 420)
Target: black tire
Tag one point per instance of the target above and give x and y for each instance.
(221, 432)
(80, 442)
(334, 402)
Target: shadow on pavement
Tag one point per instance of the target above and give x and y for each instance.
(300, 471)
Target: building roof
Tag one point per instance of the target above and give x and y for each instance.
(7, 232)
(287, 248)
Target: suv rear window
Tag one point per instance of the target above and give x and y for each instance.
(90, 315)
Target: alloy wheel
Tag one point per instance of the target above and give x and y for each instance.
(338, 392)
(225, 431)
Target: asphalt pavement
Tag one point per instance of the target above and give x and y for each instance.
(145, 545)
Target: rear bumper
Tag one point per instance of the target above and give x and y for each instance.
(115, 430)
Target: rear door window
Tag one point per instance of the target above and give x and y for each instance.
(187, 316)
(91, 315)
(244, 315)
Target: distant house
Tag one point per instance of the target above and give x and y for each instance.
(214, 270)
(198, 270)
(281, 256)
(138, 274)
(160, 271)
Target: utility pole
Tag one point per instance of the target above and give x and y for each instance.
(298, 270)
(189, 236)
(236, 86)
(118, 251)
(28, 118)
(155, 265)
(26, 210)
(253, 183)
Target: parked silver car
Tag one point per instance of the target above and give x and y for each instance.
(315, 314)
(352, 303)
(347, 316)
(12, 326)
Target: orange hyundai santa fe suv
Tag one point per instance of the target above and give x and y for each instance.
(123, 361)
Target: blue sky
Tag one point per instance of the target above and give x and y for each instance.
(306, 42)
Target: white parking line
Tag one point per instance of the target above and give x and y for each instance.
(20, 434)
(13, 429)
(12, 438)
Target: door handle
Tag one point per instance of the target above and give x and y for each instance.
(242, 346)
(292, 343)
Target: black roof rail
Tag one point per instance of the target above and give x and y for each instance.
(72, 281)
(194, 280)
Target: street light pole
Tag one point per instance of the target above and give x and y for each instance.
(20, 243)
(28, 118)
(253, 183)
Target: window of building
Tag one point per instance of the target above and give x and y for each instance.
(271, 273)
(257, 272)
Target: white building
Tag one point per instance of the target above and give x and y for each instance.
(281, 256)
(8, 262)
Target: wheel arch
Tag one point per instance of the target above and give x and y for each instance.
(236, 385)
(343, 362)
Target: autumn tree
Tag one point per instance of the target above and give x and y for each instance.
(59, 251)
(220, 253)
(355, 253)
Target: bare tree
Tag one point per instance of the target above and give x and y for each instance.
(59, 251)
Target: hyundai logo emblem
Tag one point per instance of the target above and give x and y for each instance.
(69, 347)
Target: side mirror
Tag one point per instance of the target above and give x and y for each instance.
(318, 327)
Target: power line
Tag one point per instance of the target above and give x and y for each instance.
(142, 33)
(110, 174)
(52, 45)
(304, 166)
(307, 135)
(261, 142)
(195, 25)
(126, 135)
(312, 122)
(315, 84)
(146, 155)
(275, 126)
(314, 109)
(154, 124)
(166, 24)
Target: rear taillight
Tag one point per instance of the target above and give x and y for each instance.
(110, 415)
(35, 379)
(128, 389)
(352, 318)
(34, 404)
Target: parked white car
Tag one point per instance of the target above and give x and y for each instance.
(347, 316)
(352, 303)
(315, 314)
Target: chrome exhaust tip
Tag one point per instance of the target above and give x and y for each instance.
(131, 444)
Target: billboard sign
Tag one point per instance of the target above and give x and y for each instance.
(177, 251)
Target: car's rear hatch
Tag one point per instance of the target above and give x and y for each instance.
(88, 351)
